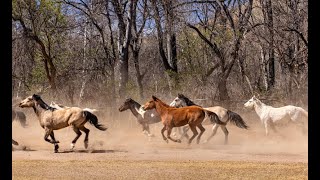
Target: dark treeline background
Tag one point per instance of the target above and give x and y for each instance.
(102, 51)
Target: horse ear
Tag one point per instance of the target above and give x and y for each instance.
(180, 95)
(35, 97)
(154, 98)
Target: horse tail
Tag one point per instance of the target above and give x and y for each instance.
(22, 118)
(94, 120)
(214, 118)
(90, 110)
(237, 120)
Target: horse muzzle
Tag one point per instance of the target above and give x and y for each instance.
(143, 108)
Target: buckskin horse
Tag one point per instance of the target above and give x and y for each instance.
(53, 119)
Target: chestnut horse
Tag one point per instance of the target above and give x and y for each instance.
(53, 119)
(177, 117)
(144, 118)
(224, 114)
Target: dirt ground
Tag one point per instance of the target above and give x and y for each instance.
(123, 152)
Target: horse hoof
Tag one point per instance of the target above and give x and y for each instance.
(57, 142)
(72, 145)
(178, 141)
(86, 144)
(56, 147)
(167, 140)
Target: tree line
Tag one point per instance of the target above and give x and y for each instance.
(107, 50)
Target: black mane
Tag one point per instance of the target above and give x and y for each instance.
(187, 100)
(42, 103)
(135, 103)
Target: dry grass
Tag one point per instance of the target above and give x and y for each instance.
(146, 169)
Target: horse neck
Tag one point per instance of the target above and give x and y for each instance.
(188, 102)
(161, 107)
(41, 107)
(258, 107)
(134, 108)
(38, 110)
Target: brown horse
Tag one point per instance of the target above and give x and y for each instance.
(176, 117)
(53, 119)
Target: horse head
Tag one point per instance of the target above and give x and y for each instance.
(179, 101)
(28, 102)
(150, 104)
(251, 102)
(126, 105)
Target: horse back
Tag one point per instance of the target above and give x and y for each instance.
(186, 115)
(63, 117)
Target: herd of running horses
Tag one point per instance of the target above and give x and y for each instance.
(180, 113)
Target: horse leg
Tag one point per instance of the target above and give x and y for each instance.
(272, 126)
(185, 134)
(202, 129)
(214, 131)
(86, 139)
(169, 129)
(53, 138)
(195, 133)
(146, 128)
(266, 127)
(77, 131)
(175, 130)
(162, 132)
(226, 133)
(56, 146)
(47, 133)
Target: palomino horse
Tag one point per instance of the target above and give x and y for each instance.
(224, 115)
(21, 117)
(53, 119)
(176, 117)
(144, 118)
(270, 115)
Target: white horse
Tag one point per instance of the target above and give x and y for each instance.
(270, 115)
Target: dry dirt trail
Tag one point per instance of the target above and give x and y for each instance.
(123, 152)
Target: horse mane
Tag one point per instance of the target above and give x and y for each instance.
(158, 100)
(259, 102)
(42, 103)
(187, 100)
(134, 102)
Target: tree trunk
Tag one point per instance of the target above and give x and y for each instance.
(268, 18)
(138, 74)
(222, 89)
(169, 61)
(124, 68)
(124, 39)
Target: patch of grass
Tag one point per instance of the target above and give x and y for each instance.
(147, 169)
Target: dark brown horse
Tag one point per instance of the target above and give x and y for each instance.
(176, 117)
